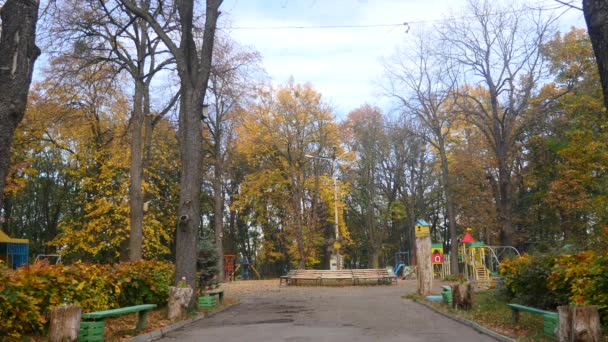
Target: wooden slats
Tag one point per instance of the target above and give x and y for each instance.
(338, 277)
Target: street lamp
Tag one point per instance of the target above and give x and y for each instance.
(334, 163)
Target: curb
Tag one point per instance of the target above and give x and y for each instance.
(468, 323)
(162, 332)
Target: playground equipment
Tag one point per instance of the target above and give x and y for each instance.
(402, 264)
(247, 270)
(14, 252)
(232, 268)
(481, 261)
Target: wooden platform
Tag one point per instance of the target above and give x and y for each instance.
(370, 276)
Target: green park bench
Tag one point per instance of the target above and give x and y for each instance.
(93, 324)
(219, 293)
(550, 318)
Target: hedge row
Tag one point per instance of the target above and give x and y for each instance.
(549, 281)
(30, 293)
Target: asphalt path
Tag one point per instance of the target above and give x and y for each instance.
(364, 313)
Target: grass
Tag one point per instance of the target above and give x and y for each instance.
(491, 311)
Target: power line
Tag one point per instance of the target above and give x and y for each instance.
(404, 24)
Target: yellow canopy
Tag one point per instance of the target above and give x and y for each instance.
(6, 239)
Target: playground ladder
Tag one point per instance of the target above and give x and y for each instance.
(482, 273)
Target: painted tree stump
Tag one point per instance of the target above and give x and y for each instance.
(65, 323)
(179, 298)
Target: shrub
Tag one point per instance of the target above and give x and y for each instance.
(525, 280)
(30, 293)
(144, 282)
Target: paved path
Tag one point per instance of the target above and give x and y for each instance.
(375, 313)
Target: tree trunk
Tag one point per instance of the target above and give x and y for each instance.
(462, 296)
(218, 211)
(18, 53)
(190, 141)
(424, 265)
(65, 324)
(136, 172)
(445, 176)
(179, 299)
(596, 17)
(580, 324)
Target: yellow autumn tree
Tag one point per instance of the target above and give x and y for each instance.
(285, 187)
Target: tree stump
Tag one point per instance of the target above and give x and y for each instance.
(425, 266)
(462, 296)
(65, 323)
(179, 298)
(579, 323)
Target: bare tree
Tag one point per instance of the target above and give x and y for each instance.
(18, 53)
(499, 52)
(230, 87)
(419, 80)
(193, 67)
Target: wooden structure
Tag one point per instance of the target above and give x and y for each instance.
(372, 276)
(423, 255)
(14, 252)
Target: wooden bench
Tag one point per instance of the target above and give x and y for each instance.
(93, 325)
(379, 275)
(285, 278)
(219, 293)
(338, 276)
(550, 318)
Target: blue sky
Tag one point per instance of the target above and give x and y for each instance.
(341, 63)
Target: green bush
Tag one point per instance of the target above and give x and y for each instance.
(546, 281)
(30, 293)
(525, 280)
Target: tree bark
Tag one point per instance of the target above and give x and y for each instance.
(462, 296)
(596, 17)
(218, 211)
(580, 324)
(18, 53)
(424, 265)
(65, 324)
(136, 172)
(179, 299)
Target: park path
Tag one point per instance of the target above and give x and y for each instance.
(267, 312)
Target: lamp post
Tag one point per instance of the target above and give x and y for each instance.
(334, 163)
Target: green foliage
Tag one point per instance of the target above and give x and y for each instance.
(525, 280)
(207, 265)
(143, 282)
(546, 281)
(30, 293)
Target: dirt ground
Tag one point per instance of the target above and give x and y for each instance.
(267, 312)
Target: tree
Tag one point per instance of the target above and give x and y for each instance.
(106, 41)
(230, 87)
(369, 208)
(276, 135)
(193, 68)
(418, 79)
(596, 17)
(18, 53)
(500, 50)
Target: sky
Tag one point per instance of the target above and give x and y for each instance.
(343, 64)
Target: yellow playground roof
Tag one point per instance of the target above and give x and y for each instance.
(6, 239)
